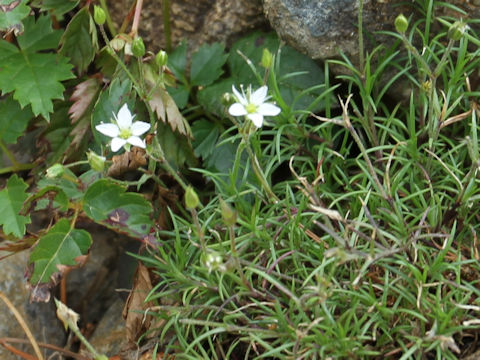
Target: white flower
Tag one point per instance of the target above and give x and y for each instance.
(253, 105)
(123, 131)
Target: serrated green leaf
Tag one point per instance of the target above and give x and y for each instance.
(12, 13)
(177, 61)
(205, 134)
(34, 78)
(207, 64)
(11, 202)
(210, 97)
(13, 120)
(62, 245)
(79, 41)
(108, 203)
(176, 148)
(57, 7)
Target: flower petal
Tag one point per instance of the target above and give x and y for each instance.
(237, 109)
(259, 96)
(124, 117)
(240, 97)
(117, 143)
(136, 141)
(110, 129)
(268, 109)
(257, 119)
(139, 127)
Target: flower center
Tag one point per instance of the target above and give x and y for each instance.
(251, 108)
(125, 133)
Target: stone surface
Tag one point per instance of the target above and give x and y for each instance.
(40, 317)
(323, 29)
(198, 21)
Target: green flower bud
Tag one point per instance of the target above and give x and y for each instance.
(457, 30)
(161, 58)
(96, 162)
(99, 15)
(401, 24)
(55, 171)
(267, 58)
(227, 99)
(191, 198)
(138, 47)
(229, 215)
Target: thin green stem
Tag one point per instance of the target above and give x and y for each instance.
(18, 167)
(110, 24)
(361, 50)
(9, 154)
(120, 62)
(260, 175)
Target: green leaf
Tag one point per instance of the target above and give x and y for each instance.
(207, 64)
(252, 47)
(57, 7)
(12, 12)
(177, 61)
(205, 135)
(79, 41)
(11, 202)
(210, 97)
(35, 78)
(107, 203)
(62, 245)
(13, 120)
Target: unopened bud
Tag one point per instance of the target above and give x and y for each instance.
(96, 162)
(191, 198)
(161, 58)
(267, 58)
(227, 99)
(138, 47)
(229, 215)
(99, 15)
(55, 171)
(401, 24)
(457, 30)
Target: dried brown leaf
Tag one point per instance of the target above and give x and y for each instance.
(128, 161)
(82, 97)
(137, 322)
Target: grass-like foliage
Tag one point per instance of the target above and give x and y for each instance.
(320, 217)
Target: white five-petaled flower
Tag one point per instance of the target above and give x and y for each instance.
(253, 105)
(123, 131)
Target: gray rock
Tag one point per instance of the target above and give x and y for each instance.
(322, 29)
(40, 317)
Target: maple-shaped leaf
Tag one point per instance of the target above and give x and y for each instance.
(11, 202)
(34, 77)
(107, 203)
(62, 246)
(13, 120)
(79, 41)
(82, 97)
(12, 12)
